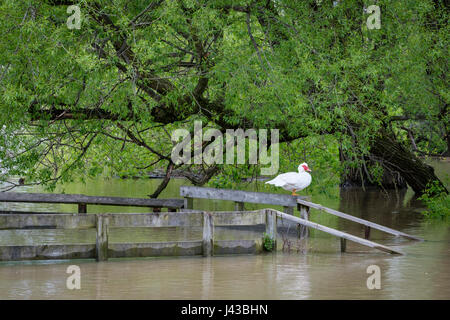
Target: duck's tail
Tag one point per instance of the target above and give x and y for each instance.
(275, 182)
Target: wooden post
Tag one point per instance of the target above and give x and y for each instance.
(304, 214)
(289, 210)
(337, 233)
(343, 244)
(82, 208)
(208, 234)
(102, 237)
(271, 226)
(238, 206)
(188, 203)
(367, 232)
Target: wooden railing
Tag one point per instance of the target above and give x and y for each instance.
(105, 223)
(342, 235)
(288, 202)
(82, 200)
(305, 205)
(239, 197)
(207, 245)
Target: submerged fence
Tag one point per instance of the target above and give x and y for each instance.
(83, 201)
(103, 223)
(206, 246)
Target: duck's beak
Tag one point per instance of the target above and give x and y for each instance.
(309, 170)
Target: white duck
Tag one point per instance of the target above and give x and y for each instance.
(293, 181)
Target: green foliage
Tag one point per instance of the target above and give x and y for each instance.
(320, 152)
(268, 242)
(437, 201)
(314, 71)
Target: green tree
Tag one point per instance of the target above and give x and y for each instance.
(78, 102)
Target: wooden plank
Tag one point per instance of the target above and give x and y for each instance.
(161, 219)
(155, 249)
(240, 196)
(366, 232)
(271, 225)
(72, 221)
(191, 210)
(208, 234)
(29, 212)
(47, 252)
(222, 247)
(304, 214)
(101, 244)
(343, 244)
(241, 218)
(50, 221)
(335, 232)
(358, 220)
(91, 200)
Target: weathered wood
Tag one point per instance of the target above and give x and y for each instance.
(238, 206)
(239, 196)
(49, 221)
(91, 200)
(126, 250)
(366, 232)
(82, 208)
(101, 246)
(28, 212)
(155, 249)
(188, 203)
(289, 210)
(241, 218)
(271, 225)
(162, 219)
(208, 234)
(335, 232)
(357, 220)
(237, 247)
(343, 244)
(191, 210)
(207, 246)
(47, 252)
(304, 214)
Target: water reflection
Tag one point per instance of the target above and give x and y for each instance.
(279, 276)
(319, 272)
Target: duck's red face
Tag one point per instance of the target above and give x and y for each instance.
(306, 168)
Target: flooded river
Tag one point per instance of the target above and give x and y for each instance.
(312, 269)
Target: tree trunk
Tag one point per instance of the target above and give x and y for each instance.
(392, 155)
(359, 177)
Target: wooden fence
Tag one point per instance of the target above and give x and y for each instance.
(104, 223)
(288, 202)
(368, 224)
(82, 201)
(206, 246)
(103, 249)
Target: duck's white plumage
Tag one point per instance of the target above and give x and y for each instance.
(293, 181)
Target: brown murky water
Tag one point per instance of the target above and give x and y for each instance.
(317, 271)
